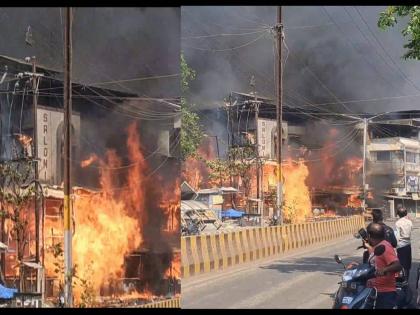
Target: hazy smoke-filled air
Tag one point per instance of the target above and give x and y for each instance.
(333, 54)
(108, 44)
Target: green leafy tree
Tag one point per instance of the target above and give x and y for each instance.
(14, 205)
(87, 296)
(220, 170)
(242, 160)
(238, 164)
(411, 31)
(191, 130)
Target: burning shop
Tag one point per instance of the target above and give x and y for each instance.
(322, 160)
(125, 208)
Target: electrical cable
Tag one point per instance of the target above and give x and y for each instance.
(404, 76)
(229, 49)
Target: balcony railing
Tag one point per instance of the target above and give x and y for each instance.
(386, 167)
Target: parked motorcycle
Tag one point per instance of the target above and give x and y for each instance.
(353, 292)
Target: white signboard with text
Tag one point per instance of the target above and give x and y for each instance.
(267, 137)
(50, 133)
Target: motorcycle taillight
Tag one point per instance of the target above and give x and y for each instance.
(344, 307)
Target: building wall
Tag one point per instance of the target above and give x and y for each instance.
(398, 159)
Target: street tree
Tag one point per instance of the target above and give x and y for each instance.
(191, 130)
(15, 202)
(220, 170)
(411, 31)
(238, 165)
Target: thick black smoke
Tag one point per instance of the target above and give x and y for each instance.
(108, 44)
(111, 44)
(332, 56)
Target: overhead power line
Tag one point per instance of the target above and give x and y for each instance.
(136, 79)
(228, 49)
(222, 35)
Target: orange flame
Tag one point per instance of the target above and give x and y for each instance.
(108, 223)
(24, 139)
(92, 158)
(297, 201)
(174, 270)
(354, 201)
(195, 171)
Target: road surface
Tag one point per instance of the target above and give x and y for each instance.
(306, 279)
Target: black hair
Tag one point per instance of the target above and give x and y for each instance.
(376, 231)
(377, 215)
(402, 212)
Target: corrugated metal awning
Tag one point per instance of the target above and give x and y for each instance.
(193, 205)
(208, 191)
(398, 197)
(32, 265)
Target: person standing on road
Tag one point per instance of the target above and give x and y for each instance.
(377, 217)
(404, 228)
(386, 266)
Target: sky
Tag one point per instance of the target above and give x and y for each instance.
(331, 55)
(108, 44)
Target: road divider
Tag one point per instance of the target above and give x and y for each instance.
(208, 253)
(170, 303)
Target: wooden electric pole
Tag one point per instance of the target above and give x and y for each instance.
(279, 114)
(68, 265)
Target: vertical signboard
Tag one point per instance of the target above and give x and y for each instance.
(267, 137)
(50, 137)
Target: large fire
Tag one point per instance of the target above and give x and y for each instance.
(297, 202)
(354, 201)
(107, 224)
(110, 224)
(194, 169)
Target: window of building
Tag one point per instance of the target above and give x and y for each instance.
(383, 156)
(412, 157)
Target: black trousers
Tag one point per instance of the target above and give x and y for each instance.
(386, 300)
(404, 255)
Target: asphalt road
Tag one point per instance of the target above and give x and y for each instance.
(305, 279)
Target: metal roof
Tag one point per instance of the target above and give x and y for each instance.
(193, 205)
(32, 265)
(187, 192)
(208, 191)
(221, 190)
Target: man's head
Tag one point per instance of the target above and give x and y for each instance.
(402, 212)
(376, 233)
(377, 216)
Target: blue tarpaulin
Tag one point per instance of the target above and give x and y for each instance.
(232, 213)
(6, 293)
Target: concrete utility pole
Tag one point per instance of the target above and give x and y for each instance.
(257, 151)
(365, 123)
(279, 114)
(68, 264)
(365, 136)
(36, 169)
